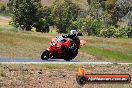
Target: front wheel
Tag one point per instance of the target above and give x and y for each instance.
(45, 55)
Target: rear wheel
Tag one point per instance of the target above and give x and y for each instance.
(71, 56)
(67, 59)
(75, 54)
(45, 55)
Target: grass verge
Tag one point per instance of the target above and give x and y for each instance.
(21, 45)
(117, 50)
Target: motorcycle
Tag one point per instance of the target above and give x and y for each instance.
(59, 49)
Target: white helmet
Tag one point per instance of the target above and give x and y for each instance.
(73, 32)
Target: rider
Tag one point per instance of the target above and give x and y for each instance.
(75, 41)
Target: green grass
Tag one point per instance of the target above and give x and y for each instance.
(107, 55)
(108, 49)
(8, 28)
(22, 45)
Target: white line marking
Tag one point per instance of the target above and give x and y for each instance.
(39, 61)
(56, 63)
(85, 63)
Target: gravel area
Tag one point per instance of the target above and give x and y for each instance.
(58, 77)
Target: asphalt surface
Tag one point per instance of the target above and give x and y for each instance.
(50, 61)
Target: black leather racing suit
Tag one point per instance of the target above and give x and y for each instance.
(75, 41)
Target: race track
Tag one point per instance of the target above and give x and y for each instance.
(53, 61)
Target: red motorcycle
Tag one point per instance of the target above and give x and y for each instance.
(59, 49)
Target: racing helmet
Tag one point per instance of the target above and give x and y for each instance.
(73, 32)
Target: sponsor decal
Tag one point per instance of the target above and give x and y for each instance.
(83, 78)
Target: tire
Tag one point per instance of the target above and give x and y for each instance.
(70, 57)
(75, 54)
(67, 59)
(81, 80)
(45, 55)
